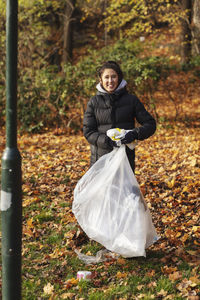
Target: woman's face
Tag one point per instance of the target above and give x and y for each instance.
(109, 80)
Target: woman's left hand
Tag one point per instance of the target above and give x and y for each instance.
(130, 137)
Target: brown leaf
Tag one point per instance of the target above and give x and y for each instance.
(67, 296)
(175, 276)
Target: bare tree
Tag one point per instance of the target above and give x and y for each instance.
(68, 19)
(196, 27)
(185, 36)
(190, 29)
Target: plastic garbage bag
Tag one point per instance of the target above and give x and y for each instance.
(110, 208)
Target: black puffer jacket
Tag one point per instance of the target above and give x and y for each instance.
(119, 110)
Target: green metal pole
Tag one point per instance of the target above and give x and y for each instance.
(11, 195)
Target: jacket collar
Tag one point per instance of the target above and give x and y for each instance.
(121, 88)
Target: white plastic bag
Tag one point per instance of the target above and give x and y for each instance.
(101, 255)
(110, 208)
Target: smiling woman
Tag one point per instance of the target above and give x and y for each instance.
(109, 80)
(114, 107)
(110, 76)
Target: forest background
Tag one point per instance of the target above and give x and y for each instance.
(61, 44)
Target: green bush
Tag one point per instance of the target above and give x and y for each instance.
(47, 96)
(192, 64)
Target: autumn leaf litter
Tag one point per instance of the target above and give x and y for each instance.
(167, 169)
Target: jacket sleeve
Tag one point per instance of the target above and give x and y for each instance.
(90, 128)
(145, 119)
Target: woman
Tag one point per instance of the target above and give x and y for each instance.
(114, 107)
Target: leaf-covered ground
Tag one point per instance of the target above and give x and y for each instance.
(168, 173)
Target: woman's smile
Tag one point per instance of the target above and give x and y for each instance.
(109, 80)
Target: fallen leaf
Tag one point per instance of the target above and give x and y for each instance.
(67, 296)
(121, 275)
(71, 282)
(48, 289)
(140, 287)
(162, 293)
(121, 261)
(175, 276)
(168, 270)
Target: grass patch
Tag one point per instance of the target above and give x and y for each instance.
(92, 248)
(165, 284)
(66, 179)
(44, 217)
(55, 239)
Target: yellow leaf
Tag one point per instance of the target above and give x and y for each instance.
(57, 253)
(167, 219)
(30, 222)
(174, 166)
(185, 189)
(195, 228)
(121, 275)
(52, 151)
(161, 170)
(171, 183)
(178, 234)
(193, 162)
(73, 281)
(195, 280)
(185, 237)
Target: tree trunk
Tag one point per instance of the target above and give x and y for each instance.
(186, 37)
(196, 28)
(53, 57)
(68, 30)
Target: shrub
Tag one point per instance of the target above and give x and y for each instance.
(49, 97)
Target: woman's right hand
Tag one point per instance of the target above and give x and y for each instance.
(111, 143)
